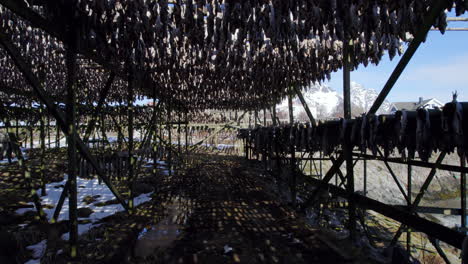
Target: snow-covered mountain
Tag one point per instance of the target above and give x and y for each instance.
(324, 102)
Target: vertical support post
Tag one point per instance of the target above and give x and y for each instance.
(31, 131)
(48, 130)
(290, 107)
(72, 153)
(255, 117)
(186, 132)
(320, 164)
(264, 117)
(293, 150)
(154, 148)
(9, 149)
(463, 194)
(410, 186)
(43, 149)
(178, 131)
(57, 135)
(365, 176)
(169, 127)
(17, 128)
(119, 135)
(273, 115)
(347, 146)
(130, 133)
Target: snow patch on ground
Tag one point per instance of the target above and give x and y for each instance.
(86, 187)
(38, 251)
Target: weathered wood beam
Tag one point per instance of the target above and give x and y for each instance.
(417, 163)
(432, 229)
(421, 194)
(25, 69)
(27, 176)
(432, 210)
(347, 146)
(72, 154)
(394, 177)
(328, 176)
(131, 159)
(59, 206)
(21, 9)
(463, 193)
(304, 104)
(97, 110)
(290, 107)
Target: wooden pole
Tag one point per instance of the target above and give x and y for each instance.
(31, 131)
(434, 11)
(421, 193)
(347, 145)
(463, 194)
(48, 130)
(178, 131)
(304, 104)
(291, 108)
(169, 126)
(130, 134)
(97, 110)
(408, 230)
(72, 152)
(57, 135)
(293, 151)
(38, 88)
(365, 174)
(43, 149)
(186, 132)
(273, 114)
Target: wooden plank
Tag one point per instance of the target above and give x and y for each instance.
(415, 163)
(433, 210)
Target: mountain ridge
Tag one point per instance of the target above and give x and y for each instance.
(326, 103)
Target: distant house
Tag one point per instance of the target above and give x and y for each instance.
(431, 103)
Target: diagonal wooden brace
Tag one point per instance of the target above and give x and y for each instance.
(25, 68)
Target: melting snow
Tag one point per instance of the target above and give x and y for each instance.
(85, 188)
(38, 251)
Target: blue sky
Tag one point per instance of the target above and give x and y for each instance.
(439, 67)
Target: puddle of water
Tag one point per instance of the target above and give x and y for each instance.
(165, 232)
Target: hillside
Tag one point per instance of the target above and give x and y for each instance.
(324, 102)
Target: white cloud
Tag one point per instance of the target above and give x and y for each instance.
(453, 71)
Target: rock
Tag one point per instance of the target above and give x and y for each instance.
(84, 212)
(141, 188)
(113, 201)
(88, 199)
